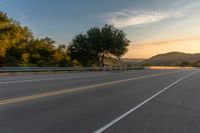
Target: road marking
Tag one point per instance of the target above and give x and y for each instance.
(54, 93)
(139, 105)
(46, 79)
(56, 78)
(34, 80)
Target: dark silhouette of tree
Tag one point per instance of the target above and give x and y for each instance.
(93, 47)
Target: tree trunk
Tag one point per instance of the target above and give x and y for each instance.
(102, 60)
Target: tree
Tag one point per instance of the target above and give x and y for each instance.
(184, 64)
(18, 47)
(13, 38)
(82, 51)
(61, 56)
(196, 64)
(93, 47)
(41, 52)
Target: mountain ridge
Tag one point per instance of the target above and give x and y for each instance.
(172, 58)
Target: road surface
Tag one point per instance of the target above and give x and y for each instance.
(142, 101)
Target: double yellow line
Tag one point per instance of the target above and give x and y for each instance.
(54, 93)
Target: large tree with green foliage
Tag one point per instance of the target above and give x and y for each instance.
(41, 52)
(93, 47)
(18, 47)
(13, 39)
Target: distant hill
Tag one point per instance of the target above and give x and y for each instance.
(171, 59)
(132, 60)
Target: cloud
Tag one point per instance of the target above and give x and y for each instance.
(131, 17)
(172, 41)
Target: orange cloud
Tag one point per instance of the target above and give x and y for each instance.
(172, 41)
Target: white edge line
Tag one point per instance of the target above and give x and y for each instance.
(139, 105)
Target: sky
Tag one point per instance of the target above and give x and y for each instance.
(153, 26)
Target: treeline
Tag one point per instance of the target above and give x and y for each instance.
(189, 64)
(178, 64)
(18, 46)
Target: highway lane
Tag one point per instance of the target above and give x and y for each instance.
(23, 85)
(29, 76)
(89, 109)
(175, 111)
(68, 75)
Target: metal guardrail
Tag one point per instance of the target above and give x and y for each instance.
(46, 69)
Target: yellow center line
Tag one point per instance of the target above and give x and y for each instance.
(54, 93)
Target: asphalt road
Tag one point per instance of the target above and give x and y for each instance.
(142, 101)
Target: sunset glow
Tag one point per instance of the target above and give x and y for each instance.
(148, 49)
(153, 28)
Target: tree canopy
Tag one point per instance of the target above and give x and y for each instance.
(94, 46)
(18, 47)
